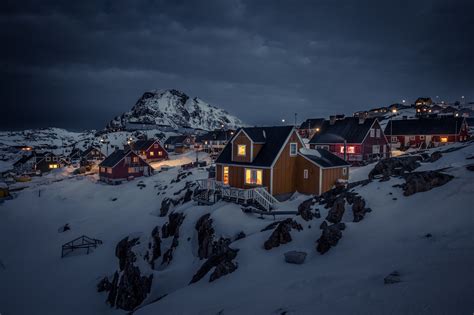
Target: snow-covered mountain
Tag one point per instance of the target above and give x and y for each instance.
(176, 109)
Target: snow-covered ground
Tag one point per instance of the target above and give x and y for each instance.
(436, 272)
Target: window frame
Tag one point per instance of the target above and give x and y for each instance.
(241, 146)
(372, 133)
(305, 173)
(225, 179)
(256, 171)
(344, 171)
(293, 145)
(394, 139)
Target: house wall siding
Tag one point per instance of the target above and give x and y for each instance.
(331, 175)
(284, 171)
(120, 171)
(309, 186)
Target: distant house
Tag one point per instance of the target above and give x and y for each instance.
(354, 139)
(423, 101)
(43, 162)
(274, 158)
(123, 165)
(150, 150)
(310, 126)
(213, 141)
(75, 154)
(179, 144)
(426, 132)
(92, 154)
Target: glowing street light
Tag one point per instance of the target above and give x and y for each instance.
(282, 120)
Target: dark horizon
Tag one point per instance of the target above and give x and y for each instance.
(78, 65)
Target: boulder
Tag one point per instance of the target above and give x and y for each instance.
(156, 246)
(295, 257)
(221, 259)
(358, 209)
(205, 236)
(423, 181)
(281, 235)
(171, 228)
(304, 209)
(337, 210)
(435, 156)
(395, 166)
(330, 236)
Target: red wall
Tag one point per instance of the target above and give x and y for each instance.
(121, 169)
(156, 151)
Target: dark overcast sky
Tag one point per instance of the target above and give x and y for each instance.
(77, 64)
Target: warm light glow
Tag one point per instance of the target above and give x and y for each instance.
(350, 149)
(253, 177)
(444, 139)
(160, 153)
(241, 148)
(53, 166)
(225, 177)
(152, 153)
(317, 129)
(394, 110)
(418, 110)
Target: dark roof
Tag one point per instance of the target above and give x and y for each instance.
(312, 123)
(348, 129)
(216, 135)
(425, 126)
(114, 158)
(23, 160)
(274, 139)
(143, 144)
(175, 139)
(75, 151)
(324, 158)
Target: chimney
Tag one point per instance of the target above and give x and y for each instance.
(332, 120)
(361, 120)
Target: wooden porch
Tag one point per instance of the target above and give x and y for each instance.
(212, 191)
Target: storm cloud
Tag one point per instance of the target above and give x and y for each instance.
(76, 64)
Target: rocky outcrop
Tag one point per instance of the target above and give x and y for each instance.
(330, 236)
(155, 246)
(129, 287)
(470, 167)
(171, 228)
(222, 259)
(435, 156)
(337, 210)
(358, 209)
(395, 166)
(184, 195)
(423, 181)
(205, 236)
(304, 209)
(281, 235)
(393, 277)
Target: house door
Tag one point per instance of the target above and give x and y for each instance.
(225, 175)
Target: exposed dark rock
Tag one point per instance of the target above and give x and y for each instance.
(205, 236)
(156, 246)
(281, 235)
(221, 259)
(330, 237)
(470, 167)
(435, 156)
(239, 236)
(393, 277)
(295, 257)
(124, 252)
(165, 206)
(171, 228)
(304, 209)
(428, 235)
(271, 226)
(395, 166)
(337, 211)
(104, 285)
(423, 181)
(358, 209)
(64, 228)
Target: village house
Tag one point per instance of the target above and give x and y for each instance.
(310, 126)
(179, 144)
(42, 162)
(261, 163)
(213, 141)
(150, 150)
(123, 165)
(75, 155)
(423, 101)
(354, 139)
(92, 154)
(426, 132)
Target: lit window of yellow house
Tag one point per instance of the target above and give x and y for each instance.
(241, 149)
(53, 166)
(444, 139)
(226, 175)
(253, 177)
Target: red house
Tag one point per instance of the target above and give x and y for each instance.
(123, 165)
(426, 132)
(150, 150)
(355, 139)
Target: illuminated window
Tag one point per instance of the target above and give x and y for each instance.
(132, 170)
(444, 139)
(241, 148)
(152, 153)
(102, 170)
(205, 142)
(253, 177)
(293, 148)
(225, 177)
(350, 149)
(109, 170)
(305, 174)
(53, 166)
(394, 139)
(135, 159)
(160, 153)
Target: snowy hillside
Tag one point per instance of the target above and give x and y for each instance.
(427, 238)
(176, 109)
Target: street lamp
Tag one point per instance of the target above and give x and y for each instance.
(283, 120)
